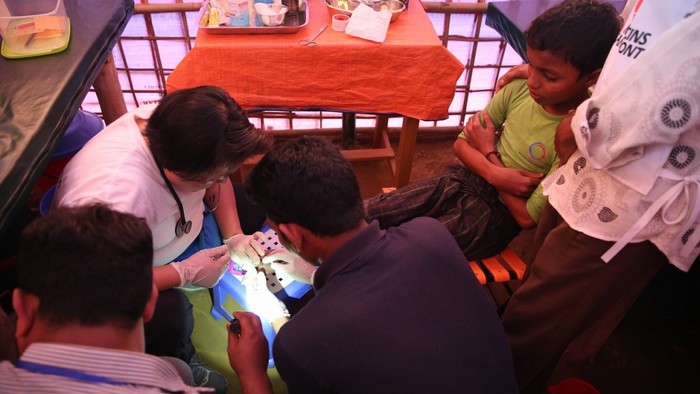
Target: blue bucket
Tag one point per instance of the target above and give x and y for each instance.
(82, 128)
(46, 200)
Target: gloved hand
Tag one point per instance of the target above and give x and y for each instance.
(291, 264)
(260, 300)
(203, 268)
(246, 249)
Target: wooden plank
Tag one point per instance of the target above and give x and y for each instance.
(494, 267)
(350, 154)
(381, 127)
(509, 257)
(480, 276)
(368, 154)
(386, 144)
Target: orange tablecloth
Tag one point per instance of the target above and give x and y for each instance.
(411, 73)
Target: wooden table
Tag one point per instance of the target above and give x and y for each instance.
(411, 74)
(39, 96)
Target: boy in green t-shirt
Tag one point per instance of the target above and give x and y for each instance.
(496, 193)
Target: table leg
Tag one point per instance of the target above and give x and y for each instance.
(407, 147)
(348, 130)
(109, 92)
(380, 127)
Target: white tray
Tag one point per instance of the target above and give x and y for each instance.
(295, 23)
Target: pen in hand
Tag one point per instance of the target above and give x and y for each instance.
(235, 326)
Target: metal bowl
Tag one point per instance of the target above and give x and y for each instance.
(346, 7)
(396, 7)
(341, 6)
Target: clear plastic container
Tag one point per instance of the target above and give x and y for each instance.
(33, 27)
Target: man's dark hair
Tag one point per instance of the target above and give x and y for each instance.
(199, 130)
(88, 265)
(580, 31)
(307, 181)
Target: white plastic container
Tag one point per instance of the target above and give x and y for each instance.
(33, 27)
(239, 12)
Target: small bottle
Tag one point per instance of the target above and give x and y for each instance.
(237, 12)
(213, 17)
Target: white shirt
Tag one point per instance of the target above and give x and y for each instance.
(137, 372)
(117, 167)
(636, 175)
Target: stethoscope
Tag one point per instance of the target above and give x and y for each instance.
(183, 226)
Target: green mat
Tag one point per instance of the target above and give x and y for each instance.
(210, 339)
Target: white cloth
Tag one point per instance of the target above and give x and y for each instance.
(637, 172)
(643, 25)
(142, 372)
(117, 167)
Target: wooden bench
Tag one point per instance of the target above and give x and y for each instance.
(502, 270)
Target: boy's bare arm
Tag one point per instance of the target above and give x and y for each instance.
(518, 208)
(516, 205)
(479, 154)
(473, 154)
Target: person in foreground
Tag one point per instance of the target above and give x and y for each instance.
(496, 192)
(626, 198)
(170, 164)
(85, 288)
(384, 317)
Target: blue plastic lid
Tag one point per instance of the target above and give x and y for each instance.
(46, 201)
(82, 128)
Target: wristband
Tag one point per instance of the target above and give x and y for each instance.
(493, 152)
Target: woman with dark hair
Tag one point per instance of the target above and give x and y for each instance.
(170, 164)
